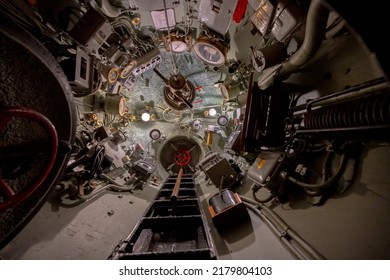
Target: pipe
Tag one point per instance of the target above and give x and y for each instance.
(118, 187)
(316, 22)
(286, 243)
(262, 200)
(341, 96)
(165, 80)
(175, 70)
(108, 9)
(175, 191)
(322, 185)
(284, 228)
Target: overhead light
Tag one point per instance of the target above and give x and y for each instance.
(145, 117)
(212, 112)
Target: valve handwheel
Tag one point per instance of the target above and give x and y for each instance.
(6, 114)
(182, 157)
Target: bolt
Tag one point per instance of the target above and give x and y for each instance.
(110, 213)
(283, 174)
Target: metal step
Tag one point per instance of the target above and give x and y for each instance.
(170, 229)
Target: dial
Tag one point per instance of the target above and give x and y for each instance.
(179, 46)
(210, 53)
(224, 91)
(222, 120)
(122, 106)
(155, 134)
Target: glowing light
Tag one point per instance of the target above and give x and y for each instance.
(212, 112)
(145, 117)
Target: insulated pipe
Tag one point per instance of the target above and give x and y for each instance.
(264, 200)
(108, 9)
(285, 229)
(118, 187)
(291, 248)
(316, 21)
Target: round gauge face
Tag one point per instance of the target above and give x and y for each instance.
(224, 91)
(122, 106)
(127, 69)
(155, 134)
(112, 75)
(209, 54)
(222, 120)
(179, 46)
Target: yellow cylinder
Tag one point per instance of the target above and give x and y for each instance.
(209, 138)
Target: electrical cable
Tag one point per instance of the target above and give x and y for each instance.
(272, 227)
(118, 186)
(28, 114)
(324, 184)
(285, 233)
(262, 200)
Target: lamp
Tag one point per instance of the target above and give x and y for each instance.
(145, 116)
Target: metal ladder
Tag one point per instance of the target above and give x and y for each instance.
(173, 226)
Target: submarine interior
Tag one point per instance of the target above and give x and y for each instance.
(194, 129)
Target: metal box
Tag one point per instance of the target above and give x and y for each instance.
(284, 19)
(218, 169)
(217, 14)
(266, 167)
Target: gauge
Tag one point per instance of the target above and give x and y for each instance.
(210, 52)
(126, 71)
(112, 75)
(155, 134)
(179, 46)
(122, 106)
(224, 91)
(222, 120)
(178, 42)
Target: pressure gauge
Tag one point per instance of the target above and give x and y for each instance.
(223, 120)
(179, 46)
(115, 105)
(224, 91)
(155, 134)
(177, 42)
(209, 51)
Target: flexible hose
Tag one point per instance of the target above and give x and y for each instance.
(283, 229)
(28, 114)
(316, 21)
(287, 244)
(102, 189)
(262, 200)
(324, 184)
(117, 186)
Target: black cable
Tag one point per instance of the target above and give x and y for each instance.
(98, 160)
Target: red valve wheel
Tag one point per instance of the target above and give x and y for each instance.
(11, 197)
(182, 157)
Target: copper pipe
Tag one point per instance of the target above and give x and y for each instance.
(175, 192)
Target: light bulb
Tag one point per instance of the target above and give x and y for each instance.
(212, 112)
(145, 117)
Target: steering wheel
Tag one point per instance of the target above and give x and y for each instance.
(182, 157)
